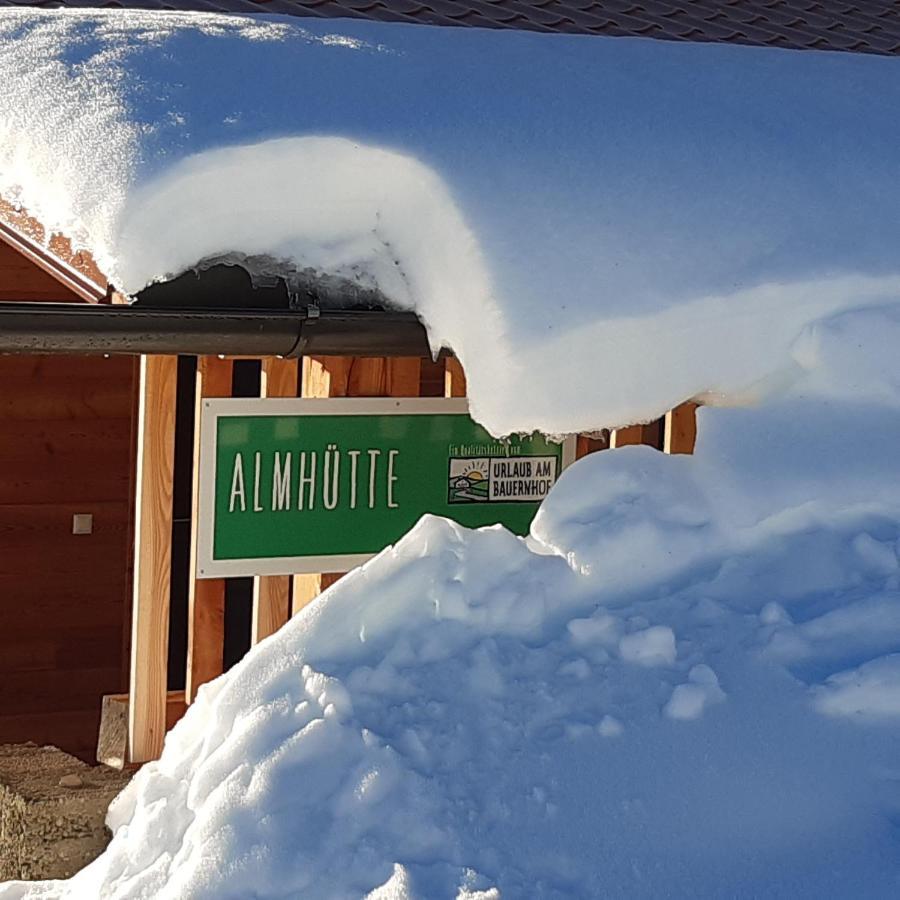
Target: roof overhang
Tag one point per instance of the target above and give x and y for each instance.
(67, 275)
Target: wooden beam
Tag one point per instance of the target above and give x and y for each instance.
(152, 556)
(112, 742)
(454, 378)
(206, 596)
(681, 429)
(272, 594)
(344, 376)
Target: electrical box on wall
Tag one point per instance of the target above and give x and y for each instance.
(82, 523)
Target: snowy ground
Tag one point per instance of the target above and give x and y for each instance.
(685, 683)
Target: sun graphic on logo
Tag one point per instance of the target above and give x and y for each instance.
(476, 471)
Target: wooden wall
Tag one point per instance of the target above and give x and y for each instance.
(21, 279)
(66, 447)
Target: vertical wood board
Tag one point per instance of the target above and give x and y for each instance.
(681, 429)
(272, 594)
(152, 557)
(206, 597)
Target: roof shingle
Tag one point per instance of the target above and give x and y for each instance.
(862, 27)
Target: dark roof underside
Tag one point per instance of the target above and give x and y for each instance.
(863, 27)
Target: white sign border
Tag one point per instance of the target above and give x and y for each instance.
(212, 409)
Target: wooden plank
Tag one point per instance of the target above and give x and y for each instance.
(67, 607)
(62, 603)
(35, 399)
(64, 441)
(206, 597)
(50, 521)
(272, 594)
(112, 741)
(152, 556)
(23, 279)
(681, 429)
(325, 376)
(66, 445)
(342, 376)
(62, 648)
(432, 377)
(454, 378)
(26, 691)
(627, 437)
(28, 227)
(134, 382)
(279, 377)
(649, 434)
(74, 730)
(64, 370)
(31, 483)
(591, 443)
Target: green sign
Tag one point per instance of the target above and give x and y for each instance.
(291, 486)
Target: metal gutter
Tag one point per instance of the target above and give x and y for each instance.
(73, 328)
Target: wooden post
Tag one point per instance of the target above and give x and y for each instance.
(206, 596)
(681, 429)
(344, 376)
(152, 556)
(272, 593)
(454, 378)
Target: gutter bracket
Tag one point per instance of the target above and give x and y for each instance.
(313, 314)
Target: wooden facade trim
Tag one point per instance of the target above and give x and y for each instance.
(67, 275)
(152, 556)
(272, 593)
(681, 429)
(206, 596)
(454, 378)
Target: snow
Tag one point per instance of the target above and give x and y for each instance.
(649, 647)
(684, 683)
(872, 689)
(689, 700)
(600, 228)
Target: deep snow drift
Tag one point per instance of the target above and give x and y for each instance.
(684, 683)
(569, 213)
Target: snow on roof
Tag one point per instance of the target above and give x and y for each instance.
(600, 228)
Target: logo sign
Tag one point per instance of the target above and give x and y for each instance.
(293, 486)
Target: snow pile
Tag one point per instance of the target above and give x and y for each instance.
(600, 228)
(684, 683)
